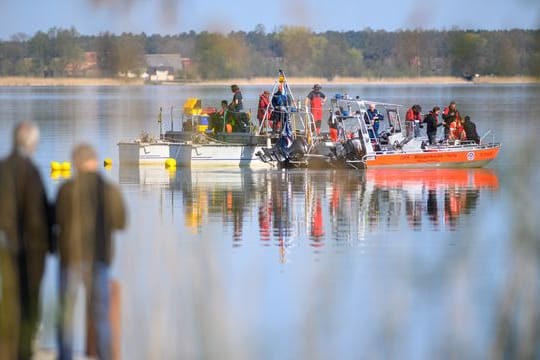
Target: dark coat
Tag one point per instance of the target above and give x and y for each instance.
(25, 220)
(25, 214)
(470, 131)
(88, 209)
(432, 123)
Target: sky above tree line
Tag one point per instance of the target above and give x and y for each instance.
(91, 17)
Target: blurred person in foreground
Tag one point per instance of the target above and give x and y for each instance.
(25, 238)
(88, 209)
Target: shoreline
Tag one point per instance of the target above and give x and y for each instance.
(13, 81)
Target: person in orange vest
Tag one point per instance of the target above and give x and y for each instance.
(457, 132)
(413, 117)
(450, 113)
(315, 101)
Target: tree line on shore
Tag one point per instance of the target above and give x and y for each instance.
(257, 53)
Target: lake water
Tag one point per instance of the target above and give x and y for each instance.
(235, 263)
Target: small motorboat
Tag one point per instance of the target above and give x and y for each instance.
(396, 147)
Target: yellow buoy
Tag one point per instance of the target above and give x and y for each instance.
(55, 174)
(107, 162)
(56, 166)
(65, 166)
(170, 163)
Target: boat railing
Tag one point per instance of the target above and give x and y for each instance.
(489, 132)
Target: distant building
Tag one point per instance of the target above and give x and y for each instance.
(159, 73)
(163, 67)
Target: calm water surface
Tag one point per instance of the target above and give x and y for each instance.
(235, 263)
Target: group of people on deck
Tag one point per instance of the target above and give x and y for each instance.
(274, 108)
(455, 127)
(231, 116)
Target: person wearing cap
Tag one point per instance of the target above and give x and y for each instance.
(413, 117)
(88, 209)
(315, 101)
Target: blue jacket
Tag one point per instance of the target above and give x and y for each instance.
(372, 114)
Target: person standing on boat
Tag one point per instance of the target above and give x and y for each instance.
(372, 116)
(264, 108)
(315, 101)
(25, 232)
(237, 103)
(413, 117)
(450, 113)
(470, 130)
(333, 126)
(432, 124)
(88, 210)
(280, 113)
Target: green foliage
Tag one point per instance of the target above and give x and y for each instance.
(297, 49)
(221, 57)
(130, 53)
(108, 54)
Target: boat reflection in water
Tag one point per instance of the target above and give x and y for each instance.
(439, 196)
(335, 208)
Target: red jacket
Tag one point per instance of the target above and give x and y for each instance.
(264, 101)
(410, 115)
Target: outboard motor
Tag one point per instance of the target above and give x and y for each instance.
(352, 149)
(384, 138)
(298, 149)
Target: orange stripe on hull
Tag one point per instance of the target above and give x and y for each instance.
(435, 158)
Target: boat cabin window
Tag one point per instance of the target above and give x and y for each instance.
(350, 125)
(393, 120)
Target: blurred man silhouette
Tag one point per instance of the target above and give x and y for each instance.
(25, 237)
(88, 210)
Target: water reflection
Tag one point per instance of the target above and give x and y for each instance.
(439, 196)
(316, 208)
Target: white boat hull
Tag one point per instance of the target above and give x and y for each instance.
(226, 155)
(199, 155)
(138, 153)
